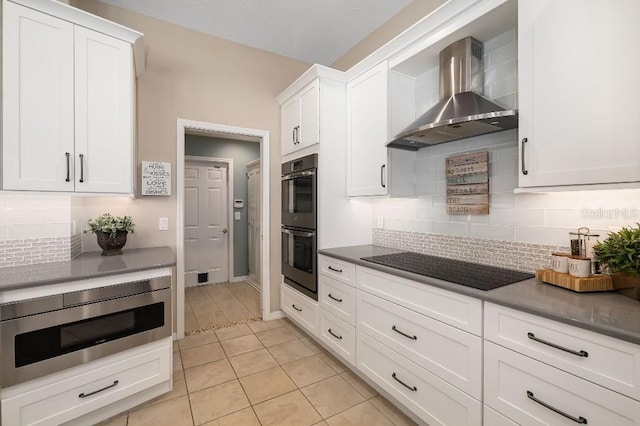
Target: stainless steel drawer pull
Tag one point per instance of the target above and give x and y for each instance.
(334, 334)
(580, 419)
(404, 334)
(335, 298)
(334, 269)
(296, 308)
(584, 354)
(411, 388)
(84, 395)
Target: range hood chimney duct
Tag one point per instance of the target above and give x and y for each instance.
(461, 112)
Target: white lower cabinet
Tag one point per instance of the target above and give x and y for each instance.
(493, 418)
(449, 353)
(532, 393)
(429, 397)
(337, 298)
(299, 308)
(338, 335)
(68, 395)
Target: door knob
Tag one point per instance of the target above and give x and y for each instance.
(224, 231)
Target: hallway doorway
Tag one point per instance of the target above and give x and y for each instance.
(210, 305)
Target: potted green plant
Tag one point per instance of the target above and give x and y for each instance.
(620, 253)
(111, 232)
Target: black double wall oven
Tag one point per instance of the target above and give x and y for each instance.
(299, 218)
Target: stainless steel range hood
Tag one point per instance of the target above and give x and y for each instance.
(461, 112)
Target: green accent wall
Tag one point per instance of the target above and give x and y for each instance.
(242, 153)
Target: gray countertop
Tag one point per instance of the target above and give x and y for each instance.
(87, 265)
(607, 313)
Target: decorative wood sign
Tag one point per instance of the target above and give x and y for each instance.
(468, 183)
(156, 178)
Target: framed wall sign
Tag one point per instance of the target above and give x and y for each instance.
(156, 178)
(468, 183)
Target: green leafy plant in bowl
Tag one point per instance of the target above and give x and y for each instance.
(111, 232)
(620, 253)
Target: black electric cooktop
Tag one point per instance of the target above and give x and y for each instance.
(474, 275)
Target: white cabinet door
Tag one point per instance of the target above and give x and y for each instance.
(309, 115)
(577, 85)
(300, 118)
(104, 117)
(38, 101)
(290, 119)
(367, 132)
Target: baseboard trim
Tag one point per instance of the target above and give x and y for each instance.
(275, 315)
(238, 279)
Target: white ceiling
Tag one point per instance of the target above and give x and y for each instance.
(315, 31)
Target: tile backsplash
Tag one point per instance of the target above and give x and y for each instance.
(37, 228)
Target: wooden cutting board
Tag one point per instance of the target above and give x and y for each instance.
(592, 283)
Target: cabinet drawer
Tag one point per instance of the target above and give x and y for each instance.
(300, 309)
(451, 308)
(518, 386)
(429, 397)
(493, 418)
(449, 353)
(609, 362)
(63, 400)
(339, 335)
(337, 298)
(337, 269)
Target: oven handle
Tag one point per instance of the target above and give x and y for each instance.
(298, 233)
(296, 175)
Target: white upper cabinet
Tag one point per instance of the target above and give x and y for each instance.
(578, 86)
(301, 119)
(367, 132)
(38, 111)
(68, 104)
(104, 111)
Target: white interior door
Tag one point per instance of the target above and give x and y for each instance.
(255, 216)
(206, 239)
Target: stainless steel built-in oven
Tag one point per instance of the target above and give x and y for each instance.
(299, 192)
(299, 260)
(53, 333)
(299, 242)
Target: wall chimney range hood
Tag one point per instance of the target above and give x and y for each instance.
(461, 112)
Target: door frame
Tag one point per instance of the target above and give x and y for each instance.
(182, 127)
(229, 163)
(255, 164)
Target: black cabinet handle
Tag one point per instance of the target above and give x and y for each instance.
(84, 395)
(296, 308)
(581, 420)
(67, 155)
(382, 175)
(404, 334)
(334, 269)
(293, 135)
(581, 353)
(411, 388)
(334, 334)
(524, 170)
(81, 168)
(335, 298)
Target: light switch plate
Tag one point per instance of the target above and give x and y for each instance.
(163, 224)
(237, 215)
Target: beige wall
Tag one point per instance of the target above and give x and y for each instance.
(195, 76)
(408, 16)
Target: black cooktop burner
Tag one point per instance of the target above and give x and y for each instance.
(474, 275)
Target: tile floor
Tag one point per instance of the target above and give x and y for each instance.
(214, 305)
(261, 373)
